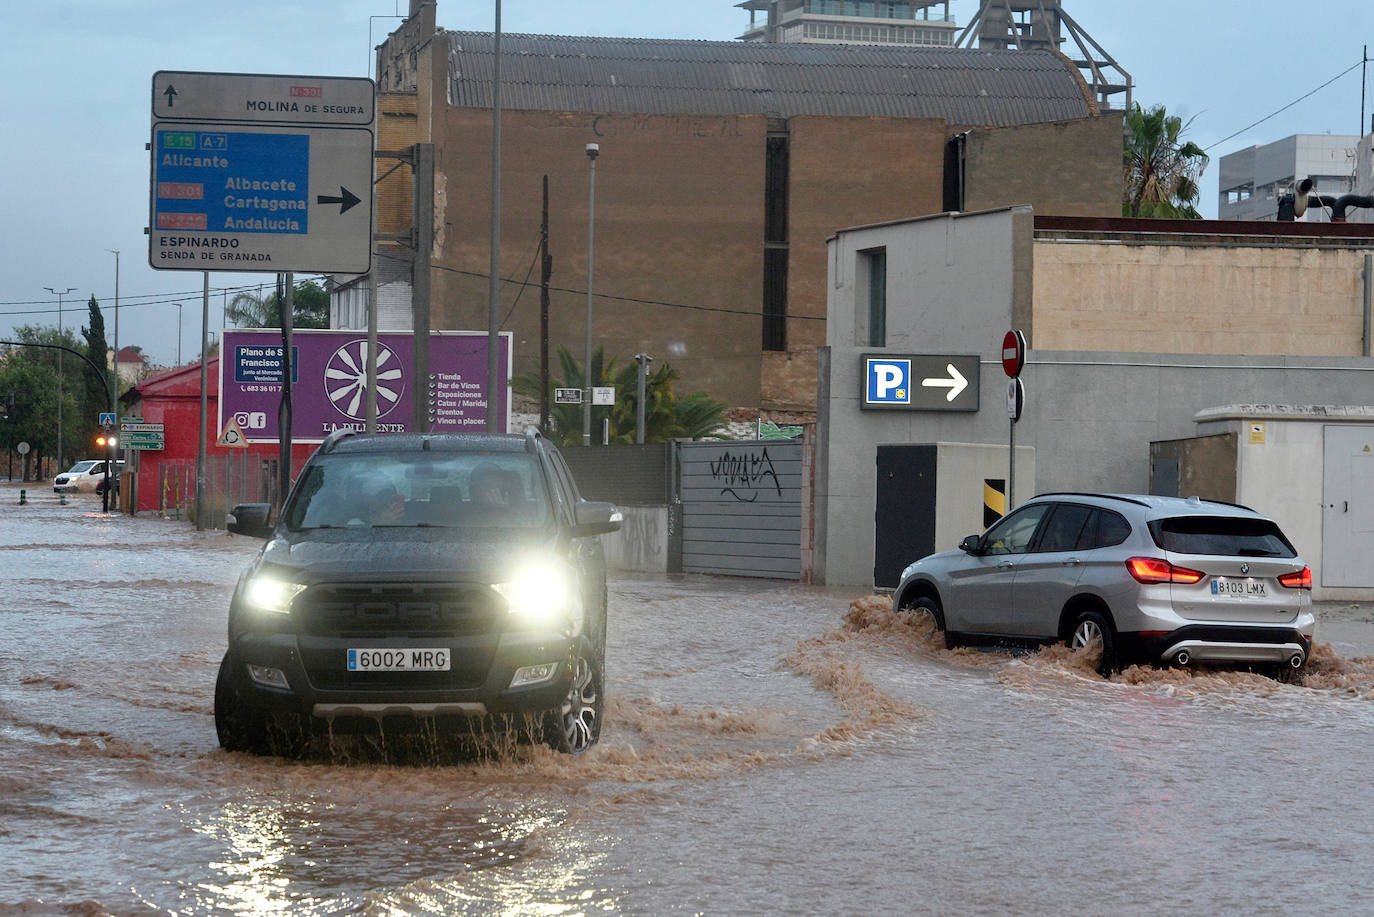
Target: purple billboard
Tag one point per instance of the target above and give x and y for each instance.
(329, 380)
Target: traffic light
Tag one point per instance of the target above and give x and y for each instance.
(106, 440)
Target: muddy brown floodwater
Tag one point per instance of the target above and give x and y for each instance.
(769, 748)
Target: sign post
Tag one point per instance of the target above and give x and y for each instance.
(1013, 361)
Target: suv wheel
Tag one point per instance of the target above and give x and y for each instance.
(575, 725)
(1092, 626)
(239, 727)
(925, 607)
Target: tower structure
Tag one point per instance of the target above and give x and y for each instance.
(1044, 25)
(850, 22)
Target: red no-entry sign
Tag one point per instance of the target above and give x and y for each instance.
(1013, 353)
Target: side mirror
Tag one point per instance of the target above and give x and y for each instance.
(595, 518)
(970, 545)
(250, 519)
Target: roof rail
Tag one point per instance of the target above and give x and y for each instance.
(1071, 493)
(532, 438)
(332, 439)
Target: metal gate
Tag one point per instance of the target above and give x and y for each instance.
(904, 523)
(741, 508)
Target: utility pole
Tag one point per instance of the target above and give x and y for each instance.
(494, 383)
(204, 396)
(114, 389)
(422, 400)
(545, 273)
(592, 150)
(643, 359)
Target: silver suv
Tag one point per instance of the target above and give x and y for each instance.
(1156, 580)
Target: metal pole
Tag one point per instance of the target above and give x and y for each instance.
(60, 294)
(545, 272)
(114, 389)
(1011, 470)
(494, 386)
(284, 415)
(178, 305)
(643, 359)
(423, 400)
(592, 150)
(204, 395)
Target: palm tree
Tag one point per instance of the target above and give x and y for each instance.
(1161, 169)
(666, 416)
(310, 308)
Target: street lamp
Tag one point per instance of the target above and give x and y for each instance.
(592, 150)
(59, 294)
(178, 305)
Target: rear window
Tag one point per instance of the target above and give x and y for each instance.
(1228, 536)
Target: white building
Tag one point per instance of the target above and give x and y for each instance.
(851, 22)
(1252, 180)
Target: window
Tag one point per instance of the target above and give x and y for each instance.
(1226, 536)
(1013, 534)
(1063, 531)
(876, 263)
(775, 299)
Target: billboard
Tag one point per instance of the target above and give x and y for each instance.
(329, 376)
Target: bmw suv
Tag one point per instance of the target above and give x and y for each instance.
(440, 581)
(1155, 580)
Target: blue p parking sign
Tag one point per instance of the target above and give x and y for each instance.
(889, 381)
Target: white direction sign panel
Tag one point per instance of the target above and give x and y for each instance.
(261, 173)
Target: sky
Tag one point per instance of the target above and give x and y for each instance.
(80, 74)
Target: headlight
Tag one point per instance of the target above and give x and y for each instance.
(266, 593)
(542, 593)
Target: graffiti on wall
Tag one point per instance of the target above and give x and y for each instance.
(746, 475)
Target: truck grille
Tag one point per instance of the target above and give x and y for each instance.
(396, 610)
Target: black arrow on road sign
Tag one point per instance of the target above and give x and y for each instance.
(346, 199)
(171, 93)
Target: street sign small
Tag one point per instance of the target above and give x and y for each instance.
(107, 418)
(1016, 399)
(232, 436)
(567, 396)
(1013, 353)
(603, 394)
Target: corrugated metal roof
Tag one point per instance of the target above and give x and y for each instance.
(962, 86)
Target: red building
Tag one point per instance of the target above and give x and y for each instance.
(165, 479)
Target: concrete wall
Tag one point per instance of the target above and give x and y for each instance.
(641, 545)
(1185, 297)
(961, 469)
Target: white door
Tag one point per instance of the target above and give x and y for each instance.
(1348, 506)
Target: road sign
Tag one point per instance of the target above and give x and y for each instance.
(135, 434)
(232, 436)
(261, 98)
(603, 394)
(567, 396)
(254, 172)
(107, 419)
(1016, 399)
(1013, 353)
(919, 382)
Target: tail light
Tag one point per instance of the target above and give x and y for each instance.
(1298, 579)
(1154, 570)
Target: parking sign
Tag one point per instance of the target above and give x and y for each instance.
(920, 382)
(889, 381)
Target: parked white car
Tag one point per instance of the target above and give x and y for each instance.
(84, 476)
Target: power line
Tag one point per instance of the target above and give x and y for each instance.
(1288, 106)
(162, 300)
(626, 299)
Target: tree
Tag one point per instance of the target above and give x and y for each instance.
(666, 416)
(310, 308)
(97, 351)
(1161, 169)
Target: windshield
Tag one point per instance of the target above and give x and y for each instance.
(81, 467)
(1228, 536)
(420, 489)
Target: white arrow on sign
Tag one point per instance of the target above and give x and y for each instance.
(956, 382)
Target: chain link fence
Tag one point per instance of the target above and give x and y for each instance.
(229, 479)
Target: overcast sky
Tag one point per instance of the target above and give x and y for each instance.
(77, 117)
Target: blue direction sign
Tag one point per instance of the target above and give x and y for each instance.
(261, 173)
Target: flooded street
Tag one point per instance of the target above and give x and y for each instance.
(768, 748)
